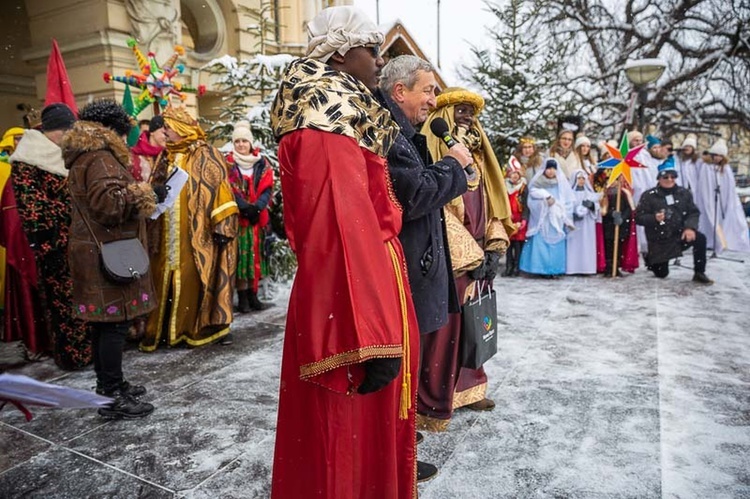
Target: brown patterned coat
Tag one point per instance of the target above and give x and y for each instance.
(104, 191)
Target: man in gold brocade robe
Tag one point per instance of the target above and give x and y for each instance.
(478, 225)
(192, 245)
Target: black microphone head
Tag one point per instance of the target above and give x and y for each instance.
(439, 127)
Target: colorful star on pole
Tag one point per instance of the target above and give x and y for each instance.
(156, 83)
(622, 161)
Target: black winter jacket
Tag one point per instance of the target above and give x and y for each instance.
(423, 188)
(665, 238)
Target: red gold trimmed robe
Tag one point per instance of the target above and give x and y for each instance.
(350, 302)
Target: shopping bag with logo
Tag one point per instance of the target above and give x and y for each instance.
(479, 327)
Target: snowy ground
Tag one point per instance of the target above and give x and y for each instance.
(633, 387)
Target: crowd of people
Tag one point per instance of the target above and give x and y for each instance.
(574, 220)
(395, 230)
(71, 186)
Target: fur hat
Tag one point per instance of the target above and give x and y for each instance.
(109, 113)
(690, 141)
(581, 140)
(242, 131)
(57, 116)
(719, 148)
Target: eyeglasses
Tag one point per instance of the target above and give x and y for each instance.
(374, 50)
(669, 175)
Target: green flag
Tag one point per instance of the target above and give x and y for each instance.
(127, 104)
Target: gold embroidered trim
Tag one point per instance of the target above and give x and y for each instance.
(467, 397)
(391, 192)
(348, 358)
(433, 425)
(224, 207)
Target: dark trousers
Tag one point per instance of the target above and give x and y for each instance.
(699, 257)
(108, 341)
(512, 256)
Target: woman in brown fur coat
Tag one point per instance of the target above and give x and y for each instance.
(105, 194)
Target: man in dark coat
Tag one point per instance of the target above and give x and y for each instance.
(407, 89)
(670, 218)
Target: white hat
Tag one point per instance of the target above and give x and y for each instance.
(635, 133)
(338, 29)
(690, 141)
(581, 140)
(242, 131)
(719, 148)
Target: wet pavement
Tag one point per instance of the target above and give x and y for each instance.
(633, 387)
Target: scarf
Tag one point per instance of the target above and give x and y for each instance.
(542, 182)
(245, 162)
(143, 148)
(36, 149)
(313, 95)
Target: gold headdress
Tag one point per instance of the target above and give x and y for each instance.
(456, 95)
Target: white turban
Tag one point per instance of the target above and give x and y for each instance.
(338, 29)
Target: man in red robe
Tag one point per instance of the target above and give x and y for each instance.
(346, 406)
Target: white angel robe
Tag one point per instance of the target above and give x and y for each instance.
(581, 250)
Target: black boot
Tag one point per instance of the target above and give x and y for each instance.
(125, 387)
(517, 248)
(510, 261)
(508, 267)
(125, 406)
(426, 471)
(702, 278)
(255, 303)
(243, 302)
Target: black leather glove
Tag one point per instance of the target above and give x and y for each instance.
(221, 239)
(379, 373)
(479, 272)
(491, 264)
(252, 213)
(587, 203)
(161, 192)
(617, 218)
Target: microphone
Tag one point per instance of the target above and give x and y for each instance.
(439, 128)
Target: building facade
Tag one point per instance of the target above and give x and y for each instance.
(92, 36)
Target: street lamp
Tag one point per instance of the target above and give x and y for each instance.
(641, 72)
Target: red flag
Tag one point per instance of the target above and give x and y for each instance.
(58, 83)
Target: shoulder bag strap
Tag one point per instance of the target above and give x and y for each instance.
(86, 221)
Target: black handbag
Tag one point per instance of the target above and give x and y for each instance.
(124, 260)
(479, 328)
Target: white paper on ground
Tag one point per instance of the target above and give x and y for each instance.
(29, 391)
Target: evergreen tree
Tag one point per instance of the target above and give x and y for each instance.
(514, 77)
(248, 88)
